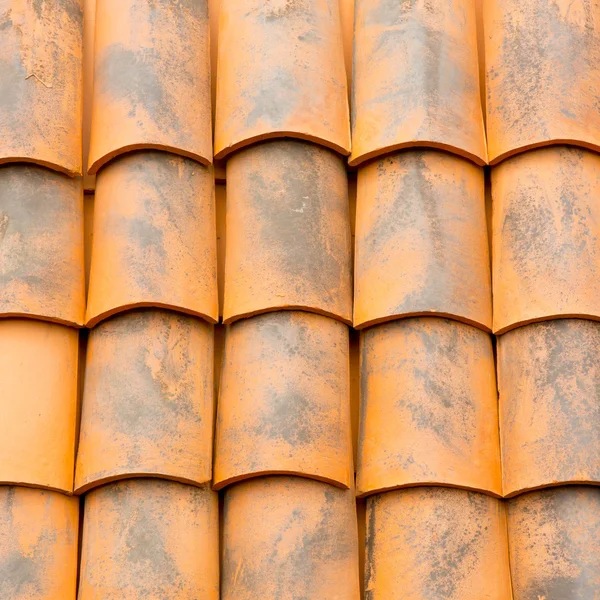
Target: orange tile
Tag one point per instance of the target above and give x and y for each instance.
(155, 241)
(429, 407)
(41, 85)
(38, 403)
(151, 80)
(546, 239)
(38, 544)
(281, 73)
(543, 74)
(41, 255)
(434, 543)
(421, 240)
(148, 400)
(89, 31)
(554, 541)
(549, 380)
(284, 403)
(416, 79)
(150, 539)
(288, 232)
(287, 538)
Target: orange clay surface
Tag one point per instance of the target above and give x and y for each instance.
(281, 74)
(555, 544)
(151, 79)
(41, 90)
(41, 245)
(38, 403)
(154, 237)
(543, 74)
(289, 538)
(546, 236)
(147, 539)
(284, 403)
(416, 78)
(421, 240)
(429, 411)
(148, 400)
(38, 544)
(288, 232)
(549, 380)
(434, 543)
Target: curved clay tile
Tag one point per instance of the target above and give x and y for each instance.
(38, 403)
(289, 537)
(549, 380)
(543, 74)
(288, 232)
(436, 543)
(416, 79)
(41, 245)
(421, 240)
(148, 400)
(429, 407)
(281, 74)
(150, 539)
(284, 402)
(154, 237)
(151, 79)
(554, 540)
(41, 86)
(546, 237)
(38, 544)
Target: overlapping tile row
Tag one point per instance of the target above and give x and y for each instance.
(42, 299)
(542, 121)
(283, 446)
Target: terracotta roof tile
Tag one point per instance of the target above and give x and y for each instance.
(436, 543)
(154, 237)
(289, 535)
(543, 74)
(41, 255)
(38, 544)
(429, 411)
(284, 400)
(38, 404)
(151, 79)
(549, 379)
(288, 232)
(416, 79)
(148, 402)
(147, 538)
(546, 236)
(554, 544)
(41, 83)
(264, 92)
(421, 240)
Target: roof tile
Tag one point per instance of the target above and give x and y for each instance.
(38, 403)
(421, 240)
(289, 535)
(147, 538)
(38, 544)
(288, 231)
(41, 46)
(151, 80)
(148, 400)
(436, 543)
(416, 79)
(429, 411)
(284, 399)
(154, 237)
(264, 92)
(546, 240)
(543, 74)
